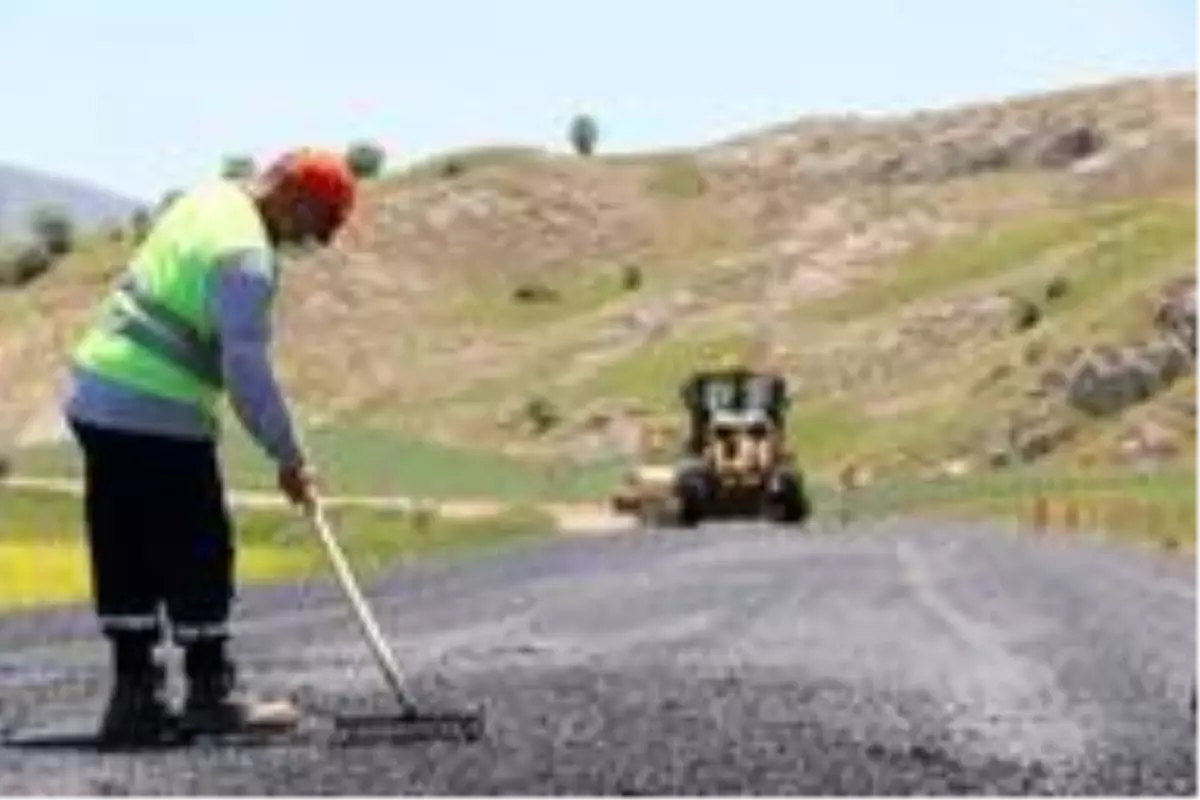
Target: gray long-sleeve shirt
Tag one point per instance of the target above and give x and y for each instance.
(240, 305)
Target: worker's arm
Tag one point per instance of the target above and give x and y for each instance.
(241, 298)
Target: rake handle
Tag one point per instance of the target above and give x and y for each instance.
(362, 612)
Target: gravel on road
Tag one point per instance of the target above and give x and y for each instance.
(901, 657)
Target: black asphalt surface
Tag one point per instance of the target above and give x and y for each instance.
(894, 658)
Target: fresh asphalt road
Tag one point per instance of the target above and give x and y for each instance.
(899, 657)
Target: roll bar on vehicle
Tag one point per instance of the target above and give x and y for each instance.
(736, 389)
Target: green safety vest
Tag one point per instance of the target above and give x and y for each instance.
(155, 333)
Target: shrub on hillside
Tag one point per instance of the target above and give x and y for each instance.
(139, 224)
(366, 159)
(631, 277)
(1026, 313)
(237, 167)
(452, 168)
(169, 197)
(534, 292)
(54, 229)
(541, 414)
(584, 134)
(25, 266)
(1057, 287)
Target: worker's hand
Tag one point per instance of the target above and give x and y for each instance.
(298, 483)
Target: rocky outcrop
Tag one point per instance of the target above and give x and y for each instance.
(1175, 316)
(1024, 437)
(1104, 386)
(1100, 381)
(1106, 380)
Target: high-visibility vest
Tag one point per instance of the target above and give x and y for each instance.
(155, 333)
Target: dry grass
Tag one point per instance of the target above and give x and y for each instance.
(868, 251)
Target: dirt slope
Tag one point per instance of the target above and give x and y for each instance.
(473, 290)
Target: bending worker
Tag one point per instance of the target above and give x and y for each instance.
(188, 322)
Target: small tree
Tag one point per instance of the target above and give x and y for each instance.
(54, 229)
(366, 159)
(1056, 287)
(584, 133)
(534, 291)
(169, 197)
(542, 414)
(631, 277)
(236, 167)
(139, 223)
(1026, 313)
(27, 264)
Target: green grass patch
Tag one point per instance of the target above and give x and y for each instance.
(928, 270)
(655, 372)
(1111, 280)
(359, 460)
(1106, 275)
(376, 461)
(1159, 507)
(43, 559)
(56, 572)
(822, 433)
(828, 435)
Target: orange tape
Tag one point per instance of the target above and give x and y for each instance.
(1071, 514)
(1041, 513)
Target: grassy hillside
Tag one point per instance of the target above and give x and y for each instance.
(968, 289)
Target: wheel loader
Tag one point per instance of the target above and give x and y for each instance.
(735, 463)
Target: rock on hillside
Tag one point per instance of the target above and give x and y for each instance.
(1054, 130)
(1106, 380)
(1102, 380)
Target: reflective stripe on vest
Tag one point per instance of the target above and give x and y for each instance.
(142, 319)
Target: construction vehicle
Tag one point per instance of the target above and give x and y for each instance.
(735, 463)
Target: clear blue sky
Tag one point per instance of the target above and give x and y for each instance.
(142, 96)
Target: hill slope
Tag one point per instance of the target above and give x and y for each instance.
(965, 288)
(23, 190)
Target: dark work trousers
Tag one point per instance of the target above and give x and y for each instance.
(160, 540)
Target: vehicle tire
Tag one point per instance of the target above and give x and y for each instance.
(690, 494)
(789, 502)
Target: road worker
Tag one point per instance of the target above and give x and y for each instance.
(188, 323)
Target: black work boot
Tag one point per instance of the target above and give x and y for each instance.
(138, 713)
(217, 705)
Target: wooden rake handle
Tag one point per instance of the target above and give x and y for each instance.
(362, 612)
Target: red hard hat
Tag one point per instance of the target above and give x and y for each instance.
(322, 175)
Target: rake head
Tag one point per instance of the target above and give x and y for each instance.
(413, 724)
